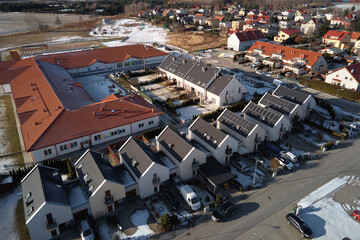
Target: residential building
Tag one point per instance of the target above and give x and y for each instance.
(268, 29)
(310, 26)
(355, 36)
(333, 51)
(181, 151)
(105, 186)
(199, 19)
(221, 145)
(203, 80)
(356, 48)
(285, 24)
(147, 169)
(302, 17)
(52, 106)
(237, 25)
(293, 59)
(274, 123)
(346, 77)
(305, 100)
(248, 133)
(243, 12)
(298, 14)
(287, 15)
(212, 22)
(241, 41)
(336, 38)
(250, 25)
(341, 22)
(46, 205)
(285, 34)
(289, 109)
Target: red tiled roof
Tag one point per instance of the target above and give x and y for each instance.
(302, 11)
(288, 52)
(250, 35)
(355, 35)
(106, 55)
(337, 35)
(290, 31)
(220, 18)
(8, 72)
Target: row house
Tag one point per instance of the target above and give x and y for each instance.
(292, 59)
(341, 22)
(205, 81)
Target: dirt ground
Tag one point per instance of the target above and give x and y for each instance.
(195, 41)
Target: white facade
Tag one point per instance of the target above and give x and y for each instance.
(343, 78)
(37, 223)
(234, 92)
(97, 202)
(145, 183)
(93, 139)
(6, 88)
(234, 43)
(220, 152)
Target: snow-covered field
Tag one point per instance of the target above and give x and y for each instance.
(139, 219)
(327, 209)
(186, 113)
(134, 31)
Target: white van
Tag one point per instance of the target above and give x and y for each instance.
(190, 197)
(278, 82)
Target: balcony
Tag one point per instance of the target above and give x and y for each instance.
(195, 165)
(52, 225)
(109, 199)
(156, 180)
(257, 140)
(228, 151)
(282, 130)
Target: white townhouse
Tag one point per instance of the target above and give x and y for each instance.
(181, 151)
(240, 41)
(148, 171)
(249, 134)
(283, 106)
(105, 186)
(275, 123)
(345, 77)
(305, 100)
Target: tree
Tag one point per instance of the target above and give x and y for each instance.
(72, 174)
(165, 222)
(299, 39)
(353, 9)
(321, 31)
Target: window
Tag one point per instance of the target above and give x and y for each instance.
(127, 64)
(45, 152)
(75, 144)
(119, 65)
(71, 145)
(337, 75)
(134, 62)
(141, 125)
(345, 77)
(61, 148)
(239, 90)
(351, 79)
(151, 122)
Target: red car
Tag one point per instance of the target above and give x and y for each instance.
(356, 214)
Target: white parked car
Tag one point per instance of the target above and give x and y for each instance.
(285, 162)
(85, 231)
(289, 155)
(258, 72)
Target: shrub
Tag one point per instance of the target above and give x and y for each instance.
(165, 222)
(339, 135)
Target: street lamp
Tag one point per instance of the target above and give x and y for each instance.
(352, 125)
(338, 91)
(255, 170)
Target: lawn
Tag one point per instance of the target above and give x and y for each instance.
(23, 232)
(11, 130)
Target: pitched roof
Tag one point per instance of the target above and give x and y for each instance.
(42, 184)
(80, 59)
(279, 104)
(219, 84)
(138, 159)
(290, 31)
(335, 35)
(265, 115)
(250, 35)
(207, 132)
(355, 35)
(93, 168)
(174, 143)
(8, 72)
(236, 122)
(302, 11)
(354, 70)
(215, 172)
(289, 53)
(291, 95)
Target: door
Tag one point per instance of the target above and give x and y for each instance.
(49, 218)
(81, 215)
(110, 208)
(131, 194)
(62, 228)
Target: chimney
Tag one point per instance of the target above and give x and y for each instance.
(352, 70)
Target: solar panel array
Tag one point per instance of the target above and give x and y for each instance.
(238, 123)
(262, 114)
(277, 103)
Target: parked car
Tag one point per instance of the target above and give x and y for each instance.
(258, 72)
(241, 166)
(285, 162)
(289, 155)
(176, 182)
(172, 199)
(85, 231)
(356, 214)
(256, 64)
(299, 224)
(223, 211)
(258, 85)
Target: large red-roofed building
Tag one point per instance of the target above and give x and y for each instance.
(240, 41)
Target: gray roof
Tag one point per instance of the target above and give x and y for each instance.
(68, 91)
(193, 71)
(207, 132)
(137, 156)
(264, 115)
(238, 123)
(291, 94)
(93, 168)
(219, 84)
(215, 172)
(174, 143)
(279, 104)
(42, 184)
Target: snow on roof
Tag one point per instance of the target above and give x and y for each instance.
(76, 195)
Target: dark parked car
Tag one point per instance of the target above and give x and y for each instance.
(223, 211)
(300, 225)
(172, 199)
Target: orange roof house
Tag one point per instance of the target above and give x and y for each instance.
(53, 109)
(337, 38)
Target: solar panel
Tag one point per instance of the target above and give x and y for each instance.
(277, 103)
(265, 115)
(238, 123)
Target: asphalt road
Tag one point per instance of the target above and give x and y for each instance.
(261, 215)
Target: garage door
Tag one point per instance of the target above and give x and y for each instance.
(81, 215)
(131, 194)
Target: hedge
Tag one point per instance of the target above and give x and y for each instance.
(336, 134)
(331, 89)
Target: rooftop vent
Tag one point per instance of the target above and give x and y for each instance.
(171, 145)
(28, 196)
(91, 188)
(352, 70)
(203, 69)
(215, 141)
(208, 137)
(112, 110)
(55, 174)
(30, 211)
(58, 185)
(134, 163)
(80, 166)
